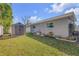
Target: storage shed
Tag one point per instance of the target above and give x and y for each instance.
(17, 29)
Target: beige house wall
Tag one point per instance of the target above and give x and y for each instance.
(60, 27)
(60, 23)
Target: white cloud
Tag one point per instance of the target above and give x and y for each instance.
(64, 8)
(75, 10)
(58, 7)
(34, 19)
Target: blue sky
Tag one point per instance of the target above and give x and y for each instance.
(39, 11)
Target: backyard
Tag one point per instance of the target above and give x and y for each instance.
(31, 45)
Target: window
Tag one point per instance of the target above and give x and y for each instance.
(50, 25)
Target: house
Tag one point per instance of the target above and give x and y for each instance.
(1, 30)
(17, 29)
(63, 25)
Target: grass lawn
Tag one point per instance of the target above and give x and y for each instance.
(36, 46)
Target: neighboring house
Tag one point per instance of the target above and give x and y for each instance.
(1, 30)
(62, 26)
(17, 29)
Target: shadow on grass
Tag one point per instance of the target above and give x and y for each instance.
(66, 47)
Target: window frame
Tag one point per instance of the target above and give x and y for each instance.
(50, 25)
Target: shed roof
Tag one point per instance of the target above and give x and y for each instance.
(18, 23)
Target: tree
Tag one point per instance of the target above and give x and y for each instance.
(1, 10)
(26, 21)
(6, 16)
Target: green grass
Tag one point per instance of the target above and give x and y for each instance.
(30, 45)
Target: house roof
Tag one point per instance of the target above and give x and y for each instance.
(57, 18)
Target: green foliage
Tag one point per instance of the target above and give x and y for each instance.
(67, 48)
(5, 16)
